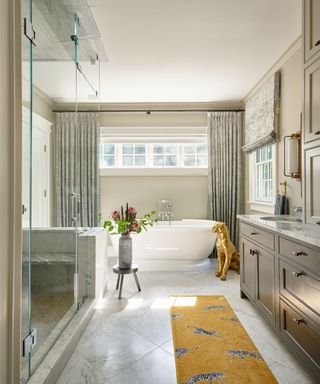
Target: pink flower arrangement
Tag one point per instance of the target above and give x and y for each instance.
(125, 221)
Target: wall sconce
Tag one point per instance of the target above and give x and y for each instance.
(292, 156)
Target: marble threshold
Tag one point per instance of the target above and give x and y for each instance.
(53, 364)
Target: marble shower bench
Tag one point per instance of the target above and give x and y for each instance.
(53, 260)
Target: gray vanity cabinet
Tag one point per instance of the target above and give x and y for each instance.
(281, 277)
(311, 28)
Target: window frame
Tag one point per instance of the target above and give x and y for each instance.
(257, 204)
(179, 168)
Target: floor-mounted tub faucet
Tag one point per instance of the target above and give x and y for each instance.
(166, 214)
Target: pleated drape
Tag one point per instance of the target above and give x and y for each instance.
(77, 166)
(224, 181)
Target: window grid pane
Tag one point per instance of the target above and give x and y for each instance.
(264, 181)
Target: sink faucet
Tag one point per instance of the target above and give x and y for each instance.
(166, 213)
(297, 211)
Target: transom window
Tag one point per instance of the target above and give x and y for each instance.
(164, 155)
(133, 155)
(153, 155)
(195, 155)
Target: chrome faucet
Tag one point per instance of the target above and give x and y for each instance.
(297, 211)
(166, 213)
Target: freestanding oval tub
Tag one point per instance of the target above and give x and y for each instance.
(183, 245)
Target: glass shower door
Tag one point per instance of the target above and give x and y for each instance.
(60, 66)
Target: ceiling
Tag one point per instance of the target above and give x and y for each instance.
(180, 50)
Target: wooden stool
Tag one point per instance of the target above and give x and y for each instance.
(122, 272)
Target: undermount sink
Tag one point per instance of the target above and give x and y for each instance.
(284, 219)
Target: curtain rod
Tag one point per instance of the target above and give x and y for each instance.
(149, 111)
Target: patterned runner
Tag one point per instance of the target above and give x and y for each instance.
(211, 345)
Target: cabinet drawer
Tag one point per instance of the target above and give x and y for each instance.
(257, 235)
(300, 288)
(299, 331)
(306, 257)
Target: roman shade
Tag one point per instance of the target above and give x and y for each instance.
(261, 115)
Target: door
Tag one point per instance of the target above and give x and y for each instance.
(312, 185)
(311, 28)
(247, 267)
(265, 292)
(312, 102)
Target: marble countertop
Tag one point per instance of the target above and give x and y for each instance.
(296, 230)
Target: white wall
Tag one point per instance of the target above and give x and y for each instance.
(290, 109)
(188, 194)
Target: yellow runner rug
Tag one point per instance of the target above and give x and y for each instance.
(211, 345)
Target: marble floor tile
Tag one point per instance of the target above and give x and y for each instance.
(113, 347)
(80, 371)
(156, 367)
(130, 340)
(168, 347)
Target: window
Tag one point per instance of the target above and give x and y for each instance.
(154, 155)
(263, 174)
(133, 155)
(164, 155)
(262, 179)
(195, 155)
(107, 155)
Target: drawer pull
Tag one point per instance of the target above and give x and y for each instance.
(253, 252)
(299, 253)
(254, 233)
(298, 321)
(317, 43)
(316, 133)
(297, 274)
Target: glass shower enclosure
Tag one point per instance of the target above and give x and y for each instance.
(61, 51)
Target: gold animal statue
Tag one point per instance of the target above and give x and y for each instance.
(228, 256)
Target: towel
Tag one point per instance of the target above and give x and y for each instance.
(282, 205)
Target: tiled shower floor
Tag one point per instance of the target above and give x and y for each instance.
(129, 341)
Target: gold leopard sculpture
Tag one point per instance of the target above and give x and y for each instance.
(228, 256)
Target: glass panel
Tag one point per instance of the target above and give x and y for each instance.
(158, 148)
(108, 149)
(202, 149)
(140, 161)
(127, 149)
(189, 149)
(53, 276)
(26, 325)
(171, 161)
(139, 149)
(158, 161)
(127, 161)
(202, 161)
(189, 161)
(171, 149)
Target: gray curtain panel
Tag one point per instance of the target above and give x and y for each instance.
(77, 166)
(224, 146)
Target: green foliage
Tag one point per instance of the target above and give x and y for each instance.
(125, 221)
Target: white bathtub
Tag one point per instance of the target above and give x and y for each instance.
(183, 245)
